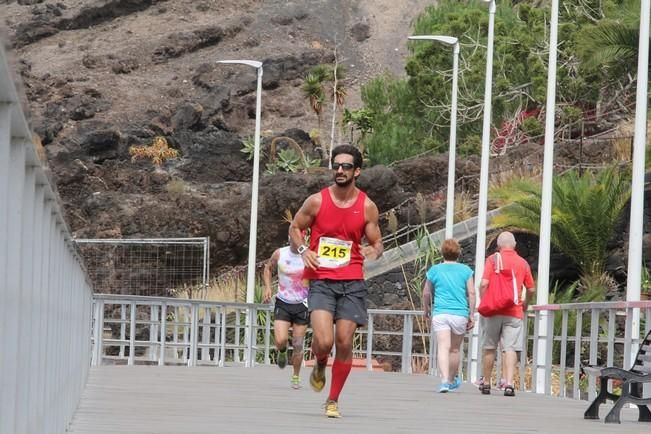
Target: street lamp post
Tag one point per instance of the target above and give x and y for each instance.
(449, 207)
(480, 249)
(636, 230)
(545, 331)
(482, 206)
(253, 235)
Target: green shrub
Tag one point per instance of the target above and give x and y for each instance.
(412, 115)
(532, 127)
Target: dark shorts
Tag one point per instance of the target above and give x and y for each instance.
(345, 299)
(293, 313)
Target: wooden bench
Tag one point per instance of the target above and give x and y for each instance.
(632, 386)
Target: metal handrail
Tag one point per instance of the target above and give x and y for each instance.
(222, 338)
(45, 295)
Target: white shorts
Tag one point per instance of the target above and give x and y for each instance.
(444, 321)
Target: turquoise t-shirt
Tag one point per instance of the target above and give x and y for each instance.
(450, 293)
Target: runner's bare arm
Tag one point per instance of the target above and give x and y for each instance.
(267, 274)
(427, 298)
(375, 247)
(470, 288)
(303, 220)
(472, 297)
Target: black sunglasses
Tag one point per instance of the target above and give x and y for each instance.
(345, 166)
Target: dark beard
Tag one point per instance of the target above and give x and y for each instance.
(345, 183)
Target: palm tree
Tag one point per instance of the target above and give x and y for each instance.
(585, 211)
(313, 90)
(614, 42)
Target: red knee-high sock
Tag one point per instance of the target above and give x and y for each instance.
(340, 371)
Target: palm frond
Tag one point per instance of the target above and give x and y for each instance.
(611, 43)
(585, 212)
(321, 72)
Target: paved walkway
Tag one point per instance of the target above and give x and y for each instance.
(180, 400)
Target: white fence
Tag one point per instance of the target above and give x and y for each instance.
(155, 330)
(45, 299)
(194, 332)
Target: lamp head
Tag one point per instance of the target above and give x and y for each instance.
(253, 63)
(446, 40)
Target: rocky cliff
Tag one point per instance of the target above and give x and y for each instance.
(101, 76)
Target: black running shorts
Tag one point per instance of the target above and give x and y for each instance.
(345, 299)
(293, 313)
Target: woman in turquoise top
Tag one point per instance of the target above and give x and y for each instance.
(449, 300)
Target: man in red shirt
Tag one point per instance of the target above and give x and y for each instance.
(338, 216)
(507, 324)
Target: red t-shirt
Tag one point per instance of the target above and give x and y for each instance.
(522, 271)
(336, 234)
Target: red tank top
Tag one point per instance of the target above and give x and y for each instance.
(335, 236)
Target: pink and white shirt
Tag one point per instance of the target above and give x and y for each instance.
(292, 288)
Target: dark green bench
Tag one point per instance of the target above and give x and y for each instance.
(633, 382)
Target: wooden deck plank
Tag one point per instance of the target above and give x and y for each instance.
(181, 400)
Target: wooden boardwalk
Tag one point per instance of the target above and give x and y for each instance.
(181, 400)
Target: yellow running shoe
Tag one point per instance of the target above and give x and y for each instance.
(331, 409)
(317, 377)
(296, 382)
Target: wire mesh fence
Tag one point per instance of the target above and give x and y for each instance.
(163, 267)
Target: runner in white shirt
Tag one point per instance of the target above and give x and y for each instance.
(290, 308)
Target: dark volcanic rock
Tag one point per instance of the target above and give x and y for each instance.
(49, 19)
(187, 116)
(360, 31)
(98, 140)
(74, 107)
(290, 67)
(187, 42)
(381, 185)
(212, 156)
(125, 66)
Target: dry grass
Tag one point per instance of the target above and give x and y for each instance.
(421, 207)
(176, 186)
(223, 288)
(40, 150)
(392, 221)
(464, 206)
(622, 149)
(419, 365)
(505, 177)
(503, 186)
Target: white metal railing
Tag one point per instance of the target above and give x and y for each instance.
(45, 299)
(159, 331)
(597, 333)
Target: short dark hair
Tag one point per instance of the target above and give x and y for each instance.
(450, 249)
(350, 150)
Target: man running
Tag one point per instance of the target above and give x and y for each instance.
(339, 216)
(290, 309)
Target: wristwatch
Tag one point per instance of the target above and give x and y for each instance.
(301, 249)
